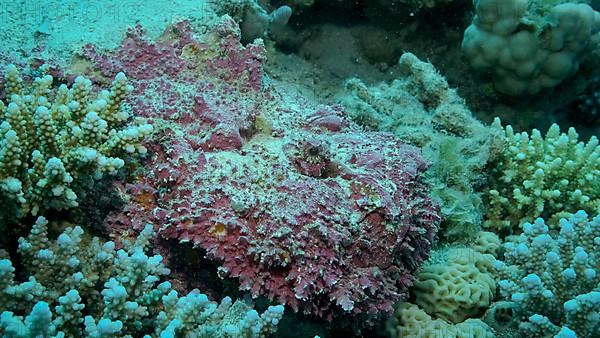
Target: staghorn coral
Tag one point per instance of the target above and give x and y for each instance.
(551, 281)
(420, 108)
(53, 141)
(81, 287)
(535, 176)
(289, 197)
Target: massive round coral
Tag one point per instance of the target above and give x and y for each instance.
(298, 203)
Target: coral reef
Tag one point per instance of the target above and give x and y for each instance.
(551, 281)
(420, 108)
(295, 153)
(535, 176)
(79, 286)
(530, 45)
(54, 141)
(288, 196)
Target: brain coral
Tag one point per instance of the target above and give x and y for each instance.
(289, 197)
(457, 288)
(409, 321)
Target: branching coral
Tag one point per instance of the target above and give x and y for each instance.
(535, 176)
(553, 280)
(55, 140)
(64, 294)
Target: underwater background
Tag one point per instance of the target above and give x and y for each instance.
(300, 168)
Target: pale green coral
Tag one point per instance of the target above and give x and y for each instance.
(457, 283)
(552, 281)
(535, 176)
(530, 45)
(409, 321)
(53, 141)
(80, 287)
(454, 290)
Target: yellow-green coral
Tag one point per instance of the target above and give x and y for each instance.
(54, 140)
(410, 321)
(457, 283)
(535, 176)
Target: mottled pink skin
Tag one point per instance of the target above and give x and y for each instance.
(328, 117)
(142, 59)
(321, 217)
(301, 247)
(168, 84)
(245, 62)
(139, 58)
